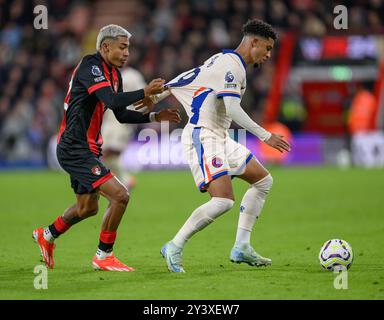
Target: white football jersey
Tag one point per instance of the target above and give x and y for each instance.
(200, 90)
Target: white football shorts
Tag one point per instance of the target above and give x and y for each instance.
(211, 155)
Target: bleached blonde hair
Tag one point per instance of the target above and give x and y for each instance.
(111, 31)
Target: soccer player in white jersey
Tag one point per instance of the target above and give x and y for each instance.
(211, 95)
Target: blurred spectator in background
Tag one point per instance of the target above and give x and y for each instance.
(367, 143)
(292, 109)
(363, 110)
(34, 70)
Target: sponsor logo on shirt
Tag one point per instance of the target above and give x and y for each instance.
(229, 77)
(96, 71)
(230, 86)
(98, 79)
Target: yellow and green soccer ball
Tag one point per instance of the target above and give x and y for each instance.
(336, 254)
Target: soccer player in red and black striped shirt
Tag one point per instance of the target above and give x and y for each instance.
(96, 84)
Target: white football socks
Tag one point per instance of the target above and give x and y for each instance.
(100, 254)
(202, 217)
(250, 208)
(48, 235)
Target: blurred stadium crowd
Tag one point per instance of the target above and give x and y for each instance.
(169, 37)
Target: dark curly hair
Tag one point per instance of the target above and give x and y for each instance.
(259, 28)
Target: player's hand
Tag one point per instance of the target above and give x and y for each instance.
(146, 102)
(154, 87)
(171, 115)
(276, 141)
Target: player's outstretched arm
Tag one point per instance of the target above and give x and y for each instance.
(237, 114)
(117, 100)
(124, 115)
(150, 101)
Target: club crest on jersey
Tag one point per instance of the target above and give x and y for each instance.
(96, 170)
(96, 71)
(229, 77)
(217, 162)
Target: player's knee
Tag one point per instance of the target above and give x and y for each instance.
(88, 210)
(224, 204)
(223, 194)
(264, 185)
(268, 181)
(122, 197)
(93, 210)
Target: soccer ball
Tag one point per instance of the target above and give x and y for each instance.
(336, 254)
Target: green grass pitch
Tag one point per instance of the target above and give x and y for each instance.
(305, 207)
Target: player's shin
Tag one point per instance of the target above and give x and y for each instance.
(201, 217)
(250, 209)
(58, 227)
(107, 240)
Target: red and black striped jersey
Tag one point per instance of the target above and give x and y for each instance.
(83, 108)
